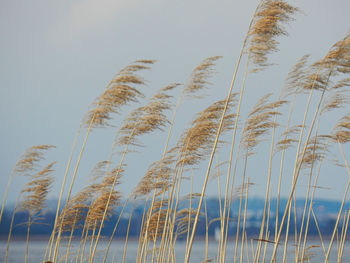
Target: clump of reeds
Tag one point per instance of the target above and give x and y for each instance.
(164, 220)
(119, 92)
(36, 189)
(26, 164)
(35, 194)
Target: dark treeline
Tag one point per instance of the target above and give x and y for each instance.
(325, 211)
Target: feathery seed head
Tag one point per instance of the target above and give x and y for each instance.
(37, 189)
(145, 119)
(341, 84)
(295, 80)
(315, 150)
(99, 170)
(146, 61)
(197, 141)
(119, 92)
(335, 101)
(76, 209)
(259, 122)
(113, 177)
(267, 25)
(341, 132)
(316, 80)
(156, 225)
(199, 77)
(158, 176)
(338, 58)
(184, 220)
(170, 87)
(99, 205)
(30, 158)
(287, 142)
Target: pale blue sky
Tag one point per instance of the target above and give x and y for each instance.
(57, 56)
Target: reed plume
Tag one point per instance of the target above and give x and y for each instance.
(195, 143)
(297, 77)
(26, 163)
(316, 150)
(184, 221)
(35, 194)
(335, 101)
(35, 191)
(120, 91)
(266, 26)
(259, 121)
(342, 130)
(158, 177)
(146, 119)
(338, 58)
(287, 140)
(342, 83)
(105, 194)
(199, 77)
(76, 210)
(156, 222)
(30, 158)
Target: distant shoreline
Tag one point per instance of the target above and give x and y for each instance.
(41, 238)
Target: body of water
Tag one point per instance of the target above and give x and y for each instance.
(37, 251)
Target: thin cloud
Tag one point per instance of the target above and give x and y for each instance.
(88, 17)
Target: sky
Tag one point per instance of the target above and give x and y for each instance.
(58, 56)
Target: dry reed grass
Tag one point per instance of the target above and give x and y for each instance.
(164, 222)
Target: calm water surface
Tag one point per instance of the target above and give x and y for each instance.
(37, 251)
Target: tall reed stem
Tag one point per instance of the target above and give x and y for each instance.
(127, 234)
(225, 215)
(107, 205)
(342, 203)
(70, 189)
(114, 230)
(27, 239)
(10, 232)
(50, 244)
(240, 207)
(5, 195)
